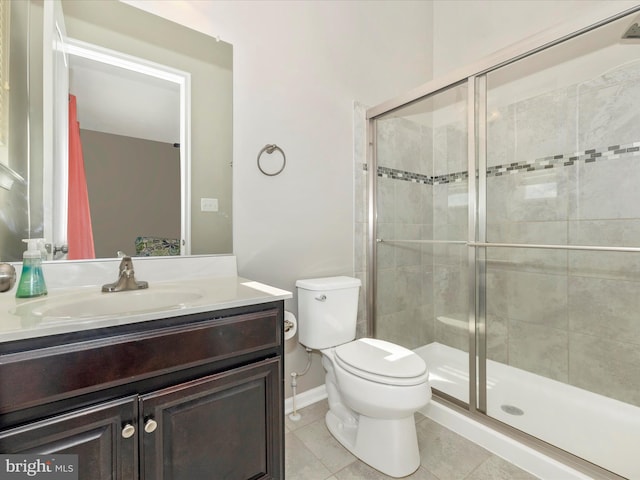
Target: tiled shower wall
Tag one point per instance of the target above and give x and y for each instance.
(563, 168)
(405, 302)
(360, 216)
(422, 291)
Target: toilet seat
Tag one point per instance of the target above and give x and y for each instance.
(382, 362)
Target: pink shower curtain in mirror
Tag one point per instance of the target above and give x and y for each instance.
(79, 231)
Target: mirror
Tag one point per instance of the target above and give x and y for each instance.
(131, 193)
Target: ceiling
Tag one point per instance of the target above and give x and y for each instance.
(123, 102)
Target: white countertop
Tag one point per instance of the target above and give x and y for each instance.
(18, 321)
(212, 288)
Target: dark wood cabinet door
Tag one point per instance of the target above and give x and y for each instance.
(226, 426)
(94, 434)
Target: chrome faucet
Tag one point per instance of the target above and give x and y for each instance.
(126, 279)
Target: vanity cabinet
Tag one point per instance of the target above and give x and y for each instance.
(94, 434)
(187, 398)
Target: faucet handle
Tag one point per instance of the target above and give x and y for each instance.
(7, 277)
(126, 266)
(126, 278)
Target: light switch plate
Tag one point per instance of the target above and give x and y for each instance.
(208, 204)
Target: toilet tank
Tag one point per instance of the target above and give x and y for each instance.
(327, 311)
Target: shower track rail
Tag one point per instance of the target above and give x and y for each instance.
(595, 248)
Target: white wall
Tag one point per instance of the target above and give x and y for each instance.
(298, 68)
(465, 31)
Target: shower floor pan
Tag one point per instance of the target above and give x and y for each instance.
(599, 429)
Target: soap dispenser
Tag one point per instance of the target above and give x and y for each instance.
(32, 279)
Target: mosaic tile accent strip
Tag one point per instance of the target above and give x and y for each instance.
(565, 160)
(396, 174)
(561, 160)
(451, 178)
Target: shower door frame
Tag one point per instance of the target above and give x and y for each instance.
(475, 78)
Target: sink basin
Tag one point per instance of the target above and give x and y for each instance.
(95, 304)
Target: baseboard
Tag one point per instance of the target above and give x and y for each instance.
(306, 398)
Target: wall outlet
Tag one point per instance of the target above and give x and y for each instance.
(208, 204)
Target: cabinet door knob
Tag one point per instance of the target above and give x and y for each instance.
(128, 430)
(150, 426)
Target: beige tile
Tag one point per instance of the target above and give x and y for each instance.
(446, 454)
(312, 453)
(408, 254)
(317, 438)
(605, 192)
(451, 329)
(300, 463)
(308, 415)
(501, 134)
(409, 328)
(450, 289)
(495, 468)
(498, 193)
(605, 308)
(613, 265)
(386, 200)
(427, 203)
(448, 253)
(450, 206)
(409, 202)
(539, 349)
(606, 367)
(386, 292)
(528, 259)
(545, 124)
(623, 233)
(360, 246)
(497, 339)
(528, 297)
(385, 254)
(537, 196)
(408, 287)
(361, 471)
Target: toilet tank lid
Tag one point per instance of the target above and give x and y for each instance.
(328, 283)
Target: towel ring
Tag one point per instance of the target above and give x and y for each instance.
(270, 149)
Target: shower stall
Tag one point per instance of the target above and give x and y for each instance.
(504, 241)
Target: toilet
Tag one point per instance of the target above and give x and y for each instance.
(373, 387)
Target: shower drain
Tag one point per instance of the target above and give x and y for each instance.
(512, 410)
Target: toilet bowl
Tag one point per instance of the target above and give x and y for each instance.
(371, 412)
(373, 387)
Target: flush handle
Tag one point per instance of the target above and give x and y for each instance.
(321, 298)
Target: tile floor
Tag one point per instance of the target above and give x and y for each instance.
(311, 453)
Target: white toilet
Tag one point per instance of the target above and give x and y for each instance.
(374, 387)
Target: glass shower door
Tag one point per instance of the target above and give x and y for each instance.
(422, 292)
(562, 175)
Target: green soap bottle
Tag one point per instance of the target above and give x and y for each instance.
(31, 279)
